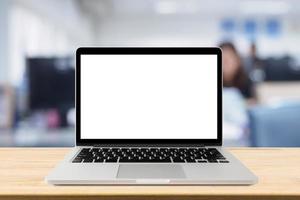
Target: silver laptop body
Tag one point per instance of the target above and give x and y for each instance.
(149, 116)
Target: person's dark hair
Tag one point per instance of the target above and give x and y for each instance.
(240, 78)
(229, 45)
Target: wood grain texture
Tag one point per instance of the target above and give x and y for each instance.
(22, 172)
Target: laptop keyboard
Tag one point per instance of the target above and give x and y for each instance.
(149, 155)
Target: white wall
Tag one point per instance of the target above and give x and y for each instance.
(194, 30)
(65, 14)
(44, 28)
(4, 38)
(157, 31)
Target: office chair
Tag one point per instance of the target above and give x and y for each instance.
(276, 125)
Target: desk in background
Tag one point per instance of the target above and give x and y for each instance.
(37, 137)
(273, 92)
(65, 137)
(22, 173)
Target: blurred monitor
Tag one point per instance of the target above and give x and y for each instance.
(51, 83)
(281, 69)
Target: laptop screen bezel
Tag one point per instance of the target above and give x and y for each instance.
(149, 51)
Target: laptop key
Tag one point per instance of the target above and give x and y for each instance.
(178, 159)
(201, 161)
(190, 160)
(100, 160)
(87, 160)
(223, 161)
(77, 160)
(110, 159)
(212, 161)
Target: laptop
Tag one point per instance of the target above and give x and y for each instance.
(150, 116)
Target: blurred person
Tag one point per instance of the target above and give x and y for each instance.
(235, 117)
(253, 51)
(234, 75)
(254, 65)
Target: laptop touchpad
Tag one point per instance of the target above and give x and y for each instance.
(155, 171)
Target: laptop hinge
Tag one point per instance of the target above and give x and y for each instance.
(148, 145)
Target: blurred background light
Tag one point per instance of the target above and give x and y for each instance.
(38, 39)
(267, 7)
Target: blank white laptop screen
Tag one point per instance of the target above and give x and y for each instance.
(148, 96)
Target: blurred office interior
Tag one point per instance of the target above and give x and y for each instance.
(38, 39)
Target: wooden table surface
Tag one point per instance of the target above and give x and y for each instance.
(22, 172)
